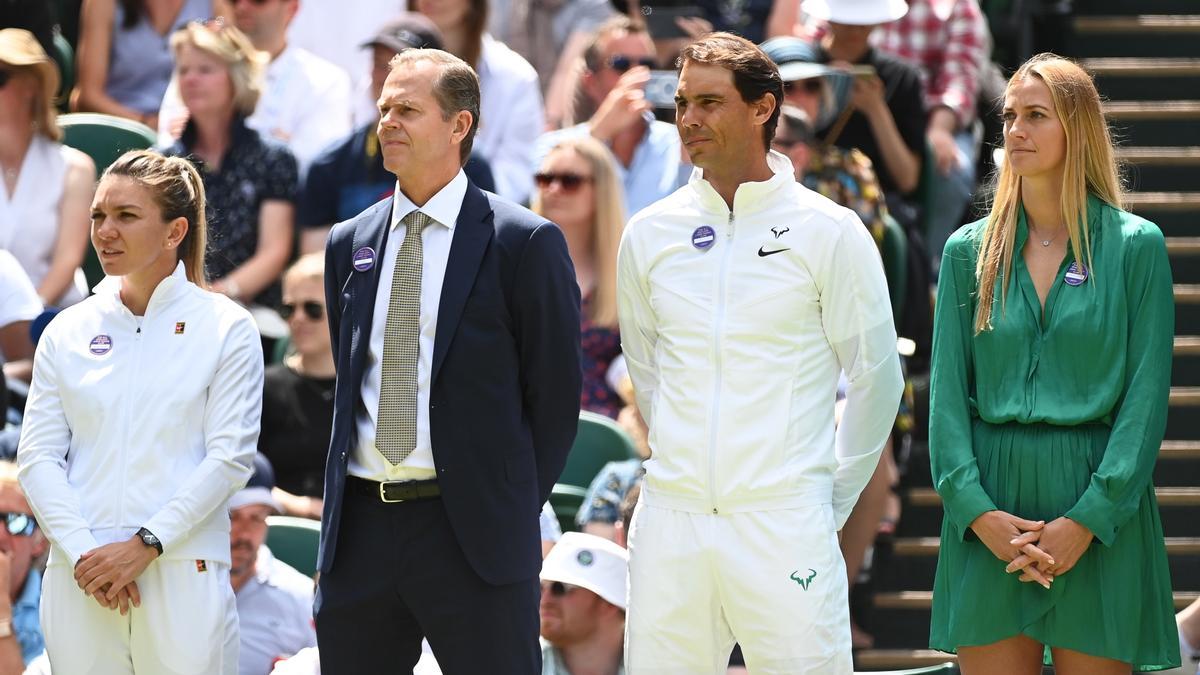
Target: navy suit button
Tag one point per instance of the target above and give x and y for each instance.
(346, 297)
(345, 455)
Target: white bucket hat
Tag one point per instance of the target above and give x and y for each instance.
(856, 12)
(590, 562)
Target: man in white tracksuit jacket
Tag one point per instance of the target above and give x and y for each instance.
(743, 296)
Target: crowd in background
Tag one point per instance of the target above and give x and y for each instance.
(887, 114)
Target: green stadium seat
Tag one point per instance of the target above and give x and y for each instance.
(295, 541)
(598, 442)
(566, 500)
(104, 138)
(64, 56)
(940, 669)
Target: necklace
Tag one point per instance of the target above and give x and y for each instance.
(1046, 242)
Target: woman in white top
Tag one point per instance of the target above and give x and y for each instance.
(511, 116)
(46, 187)
(142, 420)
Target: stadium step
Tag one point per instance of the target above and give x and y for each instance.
(1163, 201)
(1152, 110)
(928, 546)
(1126, 66)
(1154, 24)
(1167, 496)
(1169, 122)
(1159, 156)
(921, 600)
(879, 659)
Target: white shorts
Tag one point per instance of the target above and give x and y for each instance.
(773, 581)
(187, 624)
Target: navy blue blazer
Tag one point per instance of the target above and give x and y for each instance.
(504, 392)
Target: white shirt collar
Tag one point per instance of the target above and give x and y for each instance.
(749, 195)
(443, 206)
(112, 285)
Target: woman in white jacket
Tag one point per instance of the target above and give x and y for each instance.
(142, 420)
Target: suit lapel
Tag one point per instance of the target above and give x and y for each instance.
(472, 233)
(364, 286)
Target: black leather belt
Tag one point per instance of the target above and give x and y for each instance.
(395, 491)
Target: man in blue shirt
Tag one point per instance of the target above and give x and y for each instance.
(649, 157)
(20, 584)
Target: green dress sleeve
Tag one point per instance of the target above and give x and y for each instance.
(1140, 415)
(951, 454)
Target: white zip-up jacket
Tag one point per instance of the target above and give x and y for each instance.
(735, 348)
(142, 422)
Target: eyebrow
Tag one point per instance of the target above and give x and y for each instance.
(1028, 107)
(700, 96)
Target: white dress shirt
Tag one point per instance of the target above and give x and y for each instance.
(366, 460)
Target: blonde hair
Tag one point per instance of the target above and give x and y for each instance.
(179, 193)
(1089, 167)
(607, 224)
(309, 267)
(245, 63)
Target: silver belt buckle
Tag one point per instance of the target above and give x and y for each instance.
(383, 492)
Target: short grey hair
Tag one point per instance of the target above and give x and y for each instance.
(456, 87)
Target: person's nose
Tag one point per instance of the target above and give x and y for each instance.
(689, 117)
(105, 230)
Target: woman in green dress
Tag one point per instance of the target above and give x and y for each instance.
(1050, 379)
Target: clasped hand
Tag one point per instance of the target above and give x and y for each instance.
(107, 573)
(1040, 551)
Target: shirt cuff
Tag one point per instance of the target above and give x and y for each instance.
(1091, 511)
(78, 543)
(962, 508)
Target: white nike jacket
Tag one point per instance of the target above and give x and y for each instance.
(735, 347)
(142, 422)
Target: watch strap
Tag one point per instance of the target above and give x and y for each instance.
(150, 539)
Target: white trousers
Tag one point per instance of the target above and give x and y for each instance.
(187, 624)
(773, 581)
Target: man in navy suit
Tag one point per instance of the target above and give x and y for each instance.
(457, 400)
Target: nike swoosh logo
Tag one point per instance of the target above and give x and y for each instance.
(763, 254)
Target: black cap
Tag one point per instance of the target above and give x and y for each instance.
(408, 31)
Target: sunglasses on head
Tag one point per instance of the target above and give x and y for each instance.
(19, 524)
(569, 181)
(622, 63)
(557, 588)
(811, 85)
(312, 309)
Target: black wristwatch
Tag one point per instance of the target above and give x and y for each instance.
(149, 539)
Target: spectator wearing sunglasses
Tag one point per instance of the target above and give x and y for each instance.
(124, 60)
(617, 66)
(577, 189)
(298, 393)
(583, 606)
(45, 186)
(21, 542)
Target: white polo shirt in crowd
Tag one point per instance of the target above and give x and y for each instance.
(274, 614)
(366, 460)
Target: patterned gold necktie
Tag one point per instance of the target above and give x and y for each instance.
(396, 431)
